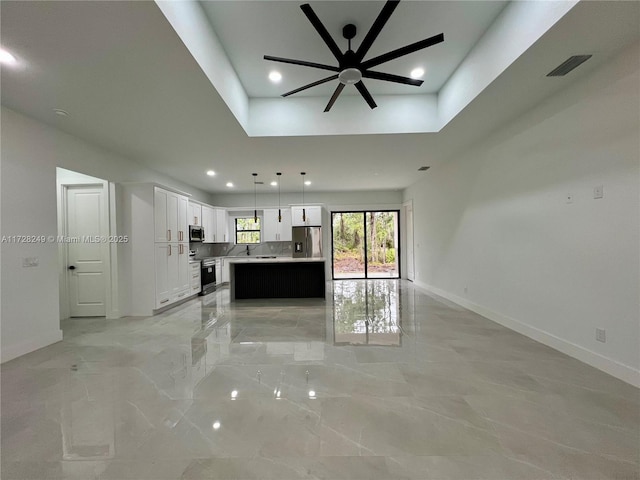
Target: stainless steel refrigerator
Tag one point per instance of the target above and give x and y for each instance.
(307, 242)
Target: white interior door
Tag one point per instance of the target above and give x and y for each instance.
(86, 253)
(408, 212)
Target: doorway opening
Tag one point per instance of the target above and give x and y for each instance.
(365, 244)
(85, 253)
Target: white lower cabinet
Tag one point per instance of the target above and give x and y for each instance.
(184, 279)
(172, 273)
(225, 270)
(163, 287)
(194, 272)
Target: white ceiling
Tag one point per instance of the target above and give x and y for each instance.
(132, 86)
(250, 30)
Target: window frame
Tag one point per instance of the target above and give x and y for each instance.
(259, 230)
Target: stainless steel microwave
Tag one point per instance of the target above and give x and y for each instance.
(196, 233)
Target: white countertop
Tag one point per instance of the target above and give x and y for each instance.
(274, 260)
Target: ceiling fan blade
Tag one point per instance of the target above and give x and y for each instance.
(319, 82)
(365, 94)
(321, 66)
(400, 52)
(392, 78)
(376, 28)
(322, 31)
(334, 97)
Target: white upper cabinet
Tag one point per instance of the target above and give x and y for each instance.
(195, 214)
(222, 226)
(274, 230)
(209, 224)
(312, 214)
(160, 215)
(183, 219)
(170, 216)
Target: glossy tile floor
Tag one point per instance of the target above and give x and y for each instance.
(380, 381)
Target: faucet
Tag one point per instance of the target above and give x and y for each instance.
(247, 249)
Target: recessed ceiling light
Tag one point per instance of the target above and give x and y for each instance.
(60, 112)
(307, 182)
(211, 173)
(229, 184)
(417, 73)
(275, 77)
(6, 58)
(274, 184)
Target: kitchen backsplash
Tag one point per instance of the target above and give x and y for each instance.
(228, 249)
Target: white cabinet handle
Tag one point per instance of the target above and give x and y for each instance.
(164, 301)
(195, 276)
(169, 250)
(169, 235)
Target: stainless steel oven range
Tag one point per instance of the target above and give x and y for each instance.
(208, 275)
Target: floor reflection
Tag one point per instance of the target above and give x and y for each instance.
(206, 388)
(366, 312)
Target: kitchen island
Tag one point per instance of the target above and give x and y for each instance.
(276, 277)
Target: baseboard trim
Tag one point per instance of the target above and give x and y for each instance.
(15, 351)
(612, 367)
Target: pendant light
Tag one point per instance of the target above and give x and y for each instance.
(255, 198)
(279, 211)
(304, 212)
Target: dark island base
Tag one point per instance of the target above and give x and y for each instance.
(279, 280)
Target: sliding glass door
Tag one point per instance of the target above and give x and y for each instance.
(365, 244)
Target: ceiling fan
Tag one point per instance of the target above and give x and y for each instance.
(352, 67)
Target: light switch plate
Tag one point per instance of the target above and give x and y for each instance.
(30, 262)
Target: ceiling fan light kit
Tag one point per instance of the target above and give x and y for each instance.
(352, 67)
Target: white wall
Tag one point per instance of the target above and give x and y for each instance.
(267, 197)
(31, 151)
(494, 231)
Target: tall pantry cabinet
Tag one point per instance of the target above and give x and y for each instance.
(157, 255)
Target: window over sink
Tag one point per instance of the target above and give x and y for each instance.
(247, 230)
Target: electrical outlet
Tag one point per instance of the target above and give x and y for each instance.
(598, 191)
(601, 335)
(569, 198)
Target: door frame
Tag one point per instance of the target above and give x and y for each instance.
(366, 262)
(110, 261)
(408, 239)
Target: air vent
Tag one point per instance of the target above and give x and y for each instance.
(422, 169)
(568, 65)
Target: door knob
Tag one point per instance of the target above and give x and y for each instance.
(72, 267)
